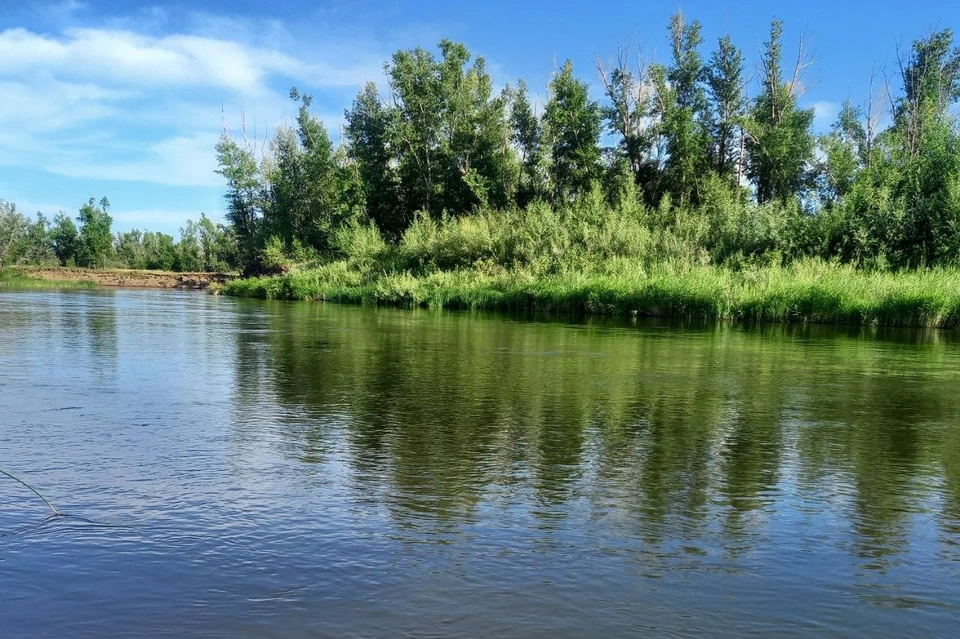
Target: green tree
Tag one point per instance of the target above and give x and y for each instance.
(450, 133)
(39, 243)
(65, 238)
(843, 153)
(245, 200)
(780, 143)
(218, 245)
(683, 106)
(573, 124)
(14, 234)
(726, 83)
(160, 251)
(368, 132)
(189, 250)
(324, 199)
(129, 250)
(931, 83)
(929, 163)
(528, 138)
(630, 117)
(441, 144)
(96, 238)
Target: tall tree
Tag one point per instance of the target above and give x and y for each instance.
(14, 229)
(479, 157)
(726, 83)
(330, 194)
(926, 151)
(843, 153)
(449, 133)
(780, 143)
(683, 110)
(245, 201)
(217, 244)
(310, 185)
(65, 238)
(528, 138)
(629, 118)
(96, 238)
(368, 135)
(573, 125)
(931, 83)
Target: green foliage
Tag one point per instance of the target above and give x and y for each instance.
(779, 142)
(441, 144)
(23, 241)
(189, 250)
(245, 199)
(724, 78)
(931, 83)
(843, 154)
(96, 238)
(629, 117)
(218, 245)
(364, 247)
(683, 111)
(449, 194)
(14, 230)
(572, 126)
(368, 132)
(65, 239)
(310, 190)
(528, 136)
(807, 291)
(203, 245)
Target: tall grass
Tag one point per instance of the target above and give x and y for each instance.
(17, 279)
(587, 258)
(808, 291)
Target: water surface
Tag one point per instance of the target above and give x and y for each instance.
(254, 469)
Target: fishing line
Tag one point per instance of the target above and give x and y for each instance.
(56, 513)
(19, 530)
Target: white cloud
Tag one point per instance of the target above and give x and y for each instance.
(114, 56)
(117, 104)
(129, 59)
(824, 114)
(43, 103)
(176, 161)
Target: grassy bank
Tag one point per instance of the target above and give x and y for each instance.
(808, 291)
(16, 278)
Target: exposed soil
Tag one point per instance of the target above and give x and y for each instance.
(131, 279)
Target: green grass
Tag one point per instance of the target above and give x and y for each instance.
(17, 279)
(809, 291)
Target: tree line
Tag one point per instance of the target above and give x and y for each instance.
(712, 151)
(88, 241)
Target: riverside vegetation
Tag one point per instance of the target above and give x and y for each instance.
(90, 243)
(676, 195)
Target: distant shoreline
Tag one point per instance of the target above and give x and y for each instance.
(124, 278)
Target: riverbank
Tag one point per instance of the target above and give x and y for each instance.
(123, 278)
(805, 292)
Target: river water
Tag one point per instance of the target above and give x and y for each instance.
(235, 468)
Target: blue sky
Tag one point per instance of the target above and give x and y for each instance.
(126, 99)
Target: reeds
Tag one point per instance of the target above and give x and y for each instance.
(809, 291)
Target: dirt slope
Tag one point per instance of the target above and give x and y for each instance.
(131, 279)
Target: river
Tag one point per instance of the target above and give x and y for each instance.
(237, 468)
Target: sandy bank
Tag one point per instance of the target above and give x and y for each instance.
(131, 279)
